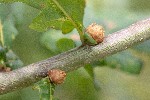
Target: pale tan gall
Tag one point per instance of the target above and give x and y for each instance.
(56, 76)
(96, 32)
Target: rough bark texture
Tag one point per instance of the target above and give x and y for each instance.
(75, 58)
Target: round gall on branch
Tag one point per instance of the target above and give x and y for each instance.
(96, 32)
(56, 76)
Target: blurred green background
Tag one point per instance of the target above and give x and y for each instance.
(112, 83)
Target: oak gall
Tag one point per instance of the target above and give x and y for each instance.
(96, 32)
(56, 76)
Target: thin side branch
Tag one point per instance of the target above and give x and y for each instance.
(75, 58)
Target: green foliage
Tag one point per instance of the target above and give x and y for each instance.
(37, 4)
(89, 40)
(77, 86)
(16, 18)
(9, 31)
(9, 59)
(65, 44)
(7, 24)
(13, 60)
(64, 15)
(46, 89)
(126, 62)
(89, 69)
(67, 27)
(49, 38)
(56, 42)
(2, 53)
(11, 96)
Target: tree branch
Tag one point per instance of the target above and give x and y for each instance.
(75, 58)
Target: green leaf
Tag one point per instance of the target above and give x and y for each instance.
(49, 39)
(78, 86)
(89, 70)
(11, 96)
(34, 3)
(2, 53)
(9, 30)
(12, 60)
(63, 15)
(89, 40)
(65, 44)
(60, 14)
(100, 62)
(126, 62)
(57, 14)
(67, 27)
(46, 89)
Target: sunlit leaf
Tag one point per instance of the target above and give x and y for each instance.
(60, 14)
(65, 26)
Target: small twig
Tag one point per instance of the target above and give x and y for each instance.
(73, 59)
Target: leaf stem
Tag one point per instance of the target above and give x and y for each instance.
(69, 17)
(1, 34)
(52, 89)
